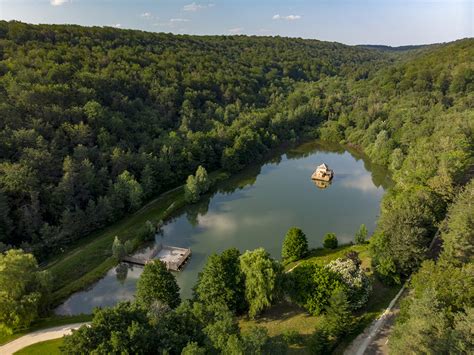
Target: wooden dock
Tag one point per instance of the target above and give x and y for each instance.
(173, 257)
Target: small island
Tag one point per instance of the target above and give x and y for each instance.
(323, 173)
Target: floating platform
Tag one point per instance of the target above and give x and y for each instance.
(173, 257)
(323, 173)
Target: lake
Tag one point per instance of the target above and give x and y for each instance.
(255, 209)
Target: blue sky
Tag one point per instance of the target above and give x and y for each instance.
(391, 22)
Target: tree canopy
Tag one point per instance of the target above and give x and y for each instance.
(262, 279)
(222, 281)
(23, 290)
(157, 284)
(295, 245)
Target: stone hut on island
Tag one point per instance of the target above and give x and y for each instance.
(323, 173)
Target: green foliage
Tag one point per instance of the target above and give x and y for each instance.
(335, 324)
(118, 249)
(330, 241)
(311, 286)
(426, 331)
(404, 231)
(196, 185)
(357, 282)
(458, 231)
(191, 190)
(128, 247)
(157, 284)
(437, 315)
(255, 340)
(23, 290)
(295, 245)
(262, 278)
(128, 193)
(193, 348)
(120, 329)
(222, 281)
(5, 221)
(202, 180)
(89, 143)
(361, 235)
(150, 231)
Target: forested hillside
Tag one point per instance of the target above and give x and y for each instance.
(417, 118)
(95, 121)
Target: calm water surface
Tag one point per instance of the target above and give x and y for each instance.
(255, 209)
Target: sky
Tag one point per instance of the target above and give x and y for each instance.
(388, 22)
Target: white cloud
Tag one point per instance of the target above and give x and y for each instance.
(146, 15)
(236, 31)
(196, 7)
(362, 183)
(58, 2)
(117, 25)
(286, 18)
(173, 20)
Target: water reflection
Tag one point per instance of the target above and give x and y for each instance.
(322, 184)
(255, 209)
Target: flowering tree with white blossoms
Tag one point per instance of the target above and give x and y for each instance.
(352, 275)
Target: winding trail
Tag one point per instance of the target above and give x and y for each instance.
(38, 336)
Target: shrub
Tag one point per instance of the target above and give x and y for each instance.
(357, 282)
(191, 190)
(295, 245)
(330, 241)
(118, 250)
(361, 234)
(312, 285)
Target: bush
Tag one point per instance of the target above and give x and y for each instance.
(311, 286)
(295, 245)
(118, 250)
(191, 190)
(335, 324)
(357, 282)
(330, 241)
(361, 234)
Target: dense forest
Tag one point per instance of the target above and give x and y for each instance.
(96, 121)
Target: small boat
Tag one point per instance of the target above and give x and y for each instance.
(323, 173)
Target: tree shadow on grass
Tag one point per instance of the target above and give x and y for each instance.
(281, 312)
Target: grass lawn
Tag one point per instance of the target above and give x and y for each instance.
(283, 318)
(46, 323)
(49, 347)
(323, 256)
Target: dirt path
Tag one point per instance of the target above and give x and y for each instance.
(374, 339)
(38, 336)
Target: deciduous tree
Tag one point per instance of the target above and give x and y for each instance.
(157, 283)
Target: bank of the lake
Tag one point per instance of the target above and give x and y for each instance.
(254, 209)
